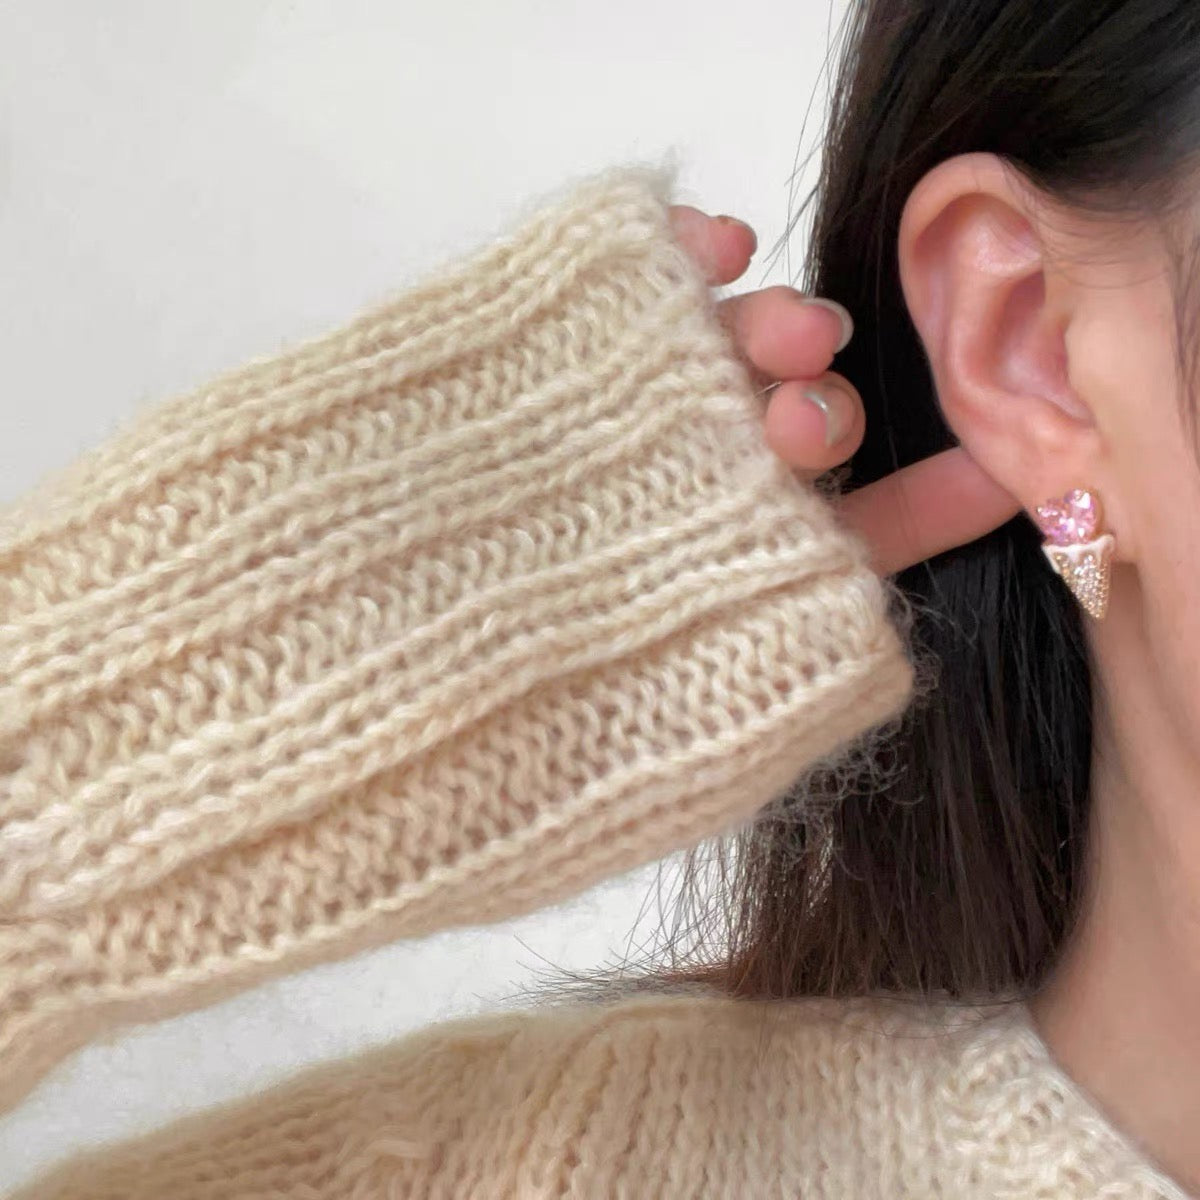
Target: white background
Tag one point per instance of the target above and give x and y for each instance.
(183, 185)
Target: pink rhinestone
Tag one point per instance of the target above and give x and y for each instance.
(1071, 520)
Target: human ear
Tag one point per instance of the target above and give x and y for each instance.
(978, 269)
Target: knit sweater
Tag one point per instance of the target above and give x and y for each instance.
(487, 595)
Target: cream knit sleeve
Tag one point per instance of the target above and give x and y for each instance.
(493, 592)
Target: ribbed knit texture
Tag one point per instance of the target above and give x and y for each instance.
(494, 592)
(658, 1099)
(447, 615)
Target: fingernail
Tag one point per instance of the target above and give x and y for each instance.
(833, 409)
(725, 219)
(844, 316)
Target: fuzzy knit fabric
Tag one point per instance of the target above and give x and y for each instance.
(658, 1098)
(445, 616)
(492, 593)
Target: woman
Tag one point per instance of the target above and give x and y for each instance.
(506, 587)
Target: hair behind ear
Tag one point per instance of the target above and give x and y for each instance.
(950, 863)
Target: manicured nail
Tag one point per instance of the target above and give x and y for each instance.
(845, 318)
(833, 408)
(725, 219)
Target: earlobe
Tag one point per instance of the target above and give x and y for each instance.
(993, 317)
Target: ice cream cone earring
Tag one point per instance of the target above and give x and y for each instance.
(1076, 550)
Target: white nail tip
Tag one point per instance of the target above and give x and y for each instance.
(833, 430)
(843, 315)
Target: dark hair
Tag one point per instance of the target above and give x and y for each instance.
(952, 862)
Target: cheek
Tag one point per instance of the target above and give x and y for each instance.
(1149, 423)
(1151, 464)
(1160, 494)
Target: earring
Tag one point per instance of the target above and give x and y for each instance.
(1077, 554)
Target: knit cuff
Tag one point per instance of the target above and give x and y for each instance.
(439, 618)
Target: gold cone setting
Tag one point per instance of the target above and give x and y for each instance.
(1085, 568)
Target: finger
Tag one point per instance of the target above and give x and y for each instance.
(721, 246)
(943, 501)
(814, 424)
(784, 334)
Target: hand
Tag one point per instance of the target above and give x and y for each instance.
(933, 505)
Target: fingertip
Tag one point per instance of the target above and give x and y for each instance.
(793, 427)
(744, 229)
(732, 246)
(845, 322)
(812, 428)
(721, 247)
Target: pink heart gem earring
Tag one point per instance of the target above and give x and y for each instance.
(1081, 557)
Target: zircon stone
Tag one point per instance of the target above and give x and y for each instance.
(1071, 520)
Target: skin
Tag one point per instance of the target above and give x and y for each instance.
(790, 344)
(1051, 336)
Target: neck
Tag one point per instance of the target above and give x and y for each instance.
(1119, 1013)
